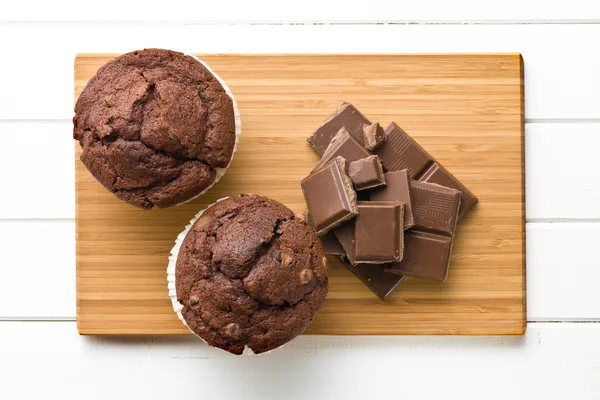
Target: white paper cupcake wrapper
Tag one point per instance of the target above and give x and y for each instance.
(238, 129)
(177, 306)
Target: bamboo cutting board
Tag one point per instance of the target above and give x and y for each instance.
(466, 110)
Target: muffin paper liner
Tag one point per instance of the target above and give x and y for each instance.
(238, 130)
(177, 306)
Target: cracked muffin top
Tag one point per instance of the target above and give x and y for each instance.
(250, 273)
(154, 125)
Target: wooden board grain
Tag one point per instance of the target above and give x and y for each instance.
(466, 110)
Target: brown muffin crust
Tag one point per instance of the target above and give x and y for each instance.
(250, 273)
(153, 126)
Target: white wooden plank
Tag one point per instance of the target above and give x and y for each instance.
(265, 11)
(37, 269)
(552, 361)
(39, 167)
(558, 255)
(562, 169)
(563, 268)
(561, 68)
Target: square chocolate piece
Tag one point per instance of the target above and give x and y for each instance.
(373, 136)
(366, 173)
(329, 196)
(435, 207)
(397, 188)
(346, 116)
(426, 255)
(428, 245)
(343, 145)
(379, 232)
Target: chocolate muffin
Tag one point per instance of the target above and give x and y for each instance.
(156, 127)
(248, 273)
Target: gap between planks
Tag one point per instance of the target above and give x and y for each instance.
(318, 22)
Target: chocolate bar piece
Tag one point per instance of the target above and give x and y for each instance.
(426, 255)
(346, 116)
(345, 235)
(434, 207)
(380, 283)
(343, 145)
(399, 151)
(379, 232)
(331, 246)
(329, 196)
(427, 246)
(397, 188)
(373, 136)
(366, 173)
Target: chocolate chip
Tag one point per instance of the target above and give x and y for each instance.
(250, 287)
(276, 254)
(193, 300)
(286, 259)
(306, 276)
(233, 330)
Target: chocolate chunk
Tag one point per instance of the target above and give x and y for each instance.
(193, 301)
(379, 232)
(346, 116)
(380, 283)
(329, 196)
(276, 254)
(345, 234)
(331, 245)
(286, 259)
(373, 136)
(399, 151)
(250, 287)
(366, 173)
(397, 188)
(426, 255)
(427, 246)
(345, 146)
(434, 207)
(306, 276)
(233, 330)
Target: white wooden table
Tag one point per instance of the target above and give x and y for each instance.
(41, 354)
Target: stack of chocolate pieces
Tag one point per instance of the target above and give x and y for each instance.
(381, 203)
